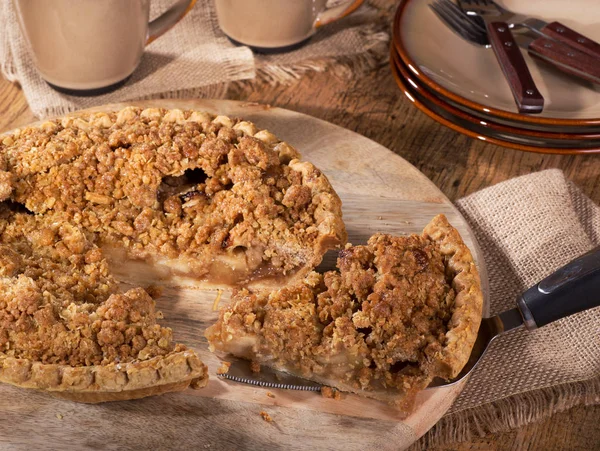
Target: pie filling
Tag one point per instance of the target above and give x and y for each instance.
(59, 303)
(380, 326)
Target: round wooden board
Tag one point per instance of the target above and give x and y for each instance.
(380, 192)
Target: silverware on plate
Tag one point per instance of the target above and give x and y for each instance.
(571, 289)
(525, 92)
(560, 55)
(555, 30)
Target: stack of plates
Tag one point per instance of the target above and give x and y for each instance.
(462, 86)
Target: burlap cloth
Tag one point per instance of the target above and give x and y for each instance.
(195, 59)
(527, 227)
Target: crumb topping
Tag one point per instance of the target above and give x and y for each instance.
(378, 323)
(265, 416)
(218, 197)
(59, 304)
(172, 184)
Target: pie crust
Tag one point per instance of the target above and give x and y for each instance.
(400, 312)
(198, 195)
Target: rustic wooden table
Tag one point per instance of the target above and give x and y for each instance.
(373, 106)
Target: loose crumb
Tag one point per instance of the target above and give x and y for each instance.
(155, 291)
(265, 416)
(59, 416)
(224, 368)
(215, 306)
(329, 392)
(199, 382)
(270, 395)
(255, 367)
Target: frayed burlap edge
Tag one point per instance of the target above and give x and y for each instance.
(510, 413)
(345, 66)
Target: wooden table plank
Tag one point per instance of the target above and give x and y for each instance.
(373, 106)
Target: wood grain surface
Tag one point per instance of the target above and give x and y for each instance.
(371, 105)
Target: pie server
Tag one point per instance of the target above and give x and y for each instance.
(571, 289)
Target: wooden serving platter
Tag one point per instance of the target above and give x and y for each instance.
(380, 192)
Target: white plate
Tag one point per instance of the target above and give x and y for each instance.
(472, 72)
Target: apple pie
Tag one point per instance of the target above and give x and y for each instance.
(399, 312)
(204, 196)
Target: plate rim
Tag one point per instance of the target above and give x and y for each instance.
(404, 55)
(458, 128)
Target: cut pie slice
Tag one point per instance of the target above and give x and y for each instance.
(400, 312)
(65, 327)
(195, 194)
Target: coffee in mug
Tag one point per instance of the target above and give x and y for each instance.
(87, 47)
(277, 25)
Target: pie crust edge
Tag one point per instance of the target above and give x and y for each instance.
(113, 382)
(468, 304)
(178, 370)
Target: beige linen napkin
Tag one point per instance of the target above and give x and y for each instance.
(195, 59)
(528, 227)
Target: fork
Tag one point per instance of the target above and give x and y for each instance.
(525, 92)
(563, 57)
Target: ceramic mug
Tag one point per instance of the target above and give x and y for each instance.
(89, 47)
(278, 25)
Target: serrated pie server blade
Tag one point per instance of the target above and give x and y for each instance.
(240, 371)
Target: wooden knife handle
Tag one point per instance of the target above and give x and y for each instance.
(566, 58)
(527, 97)
(570, 37)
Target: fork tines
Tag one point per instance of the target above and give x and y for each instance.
(465, 26)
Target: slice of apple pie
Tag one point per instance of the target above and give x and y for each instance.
(400, 311)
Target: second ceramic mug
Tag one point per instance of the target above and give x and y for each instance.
(278, 25)
(88, 47)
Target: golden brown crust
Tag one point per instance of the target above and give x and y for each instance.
(328, 214)
(400, 312)
(113, 382)
(468, 304)
(184, 189)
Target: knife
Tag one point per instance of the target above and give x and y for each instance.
(554, 30)
(561, 33)
(560, 55)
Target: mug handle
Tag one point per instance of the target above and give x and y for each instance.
(168, 19)
(337, 12)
